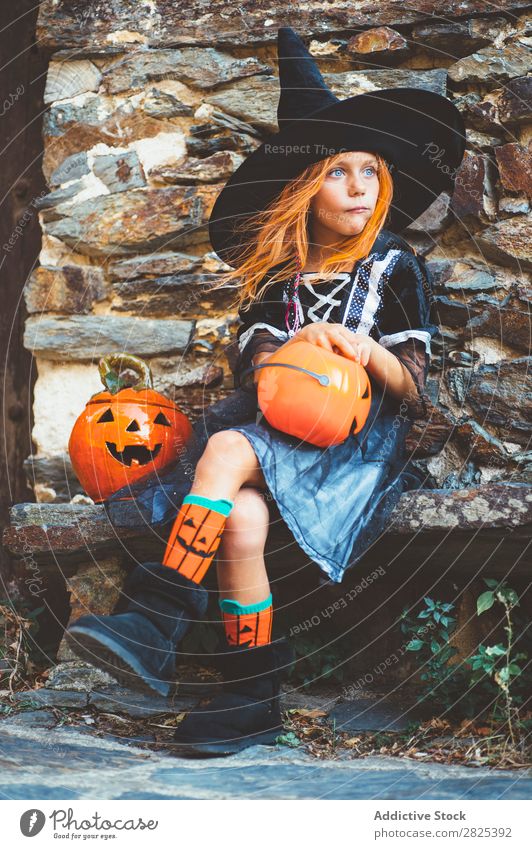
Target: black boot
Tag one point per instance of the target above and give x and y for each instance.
(247, 711)
(138, 647)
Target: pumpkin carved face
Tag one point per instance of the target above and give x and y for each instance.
(126, 448)
(120, 438)
(199, 538)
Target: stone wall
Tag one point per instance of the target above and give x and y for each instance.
(149, 109)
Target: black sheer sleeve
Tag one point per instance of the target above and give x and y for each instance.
(262, 331)
(405, 328)
(413, 355)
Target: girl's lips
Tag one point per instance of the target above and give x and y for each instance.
(358, 209)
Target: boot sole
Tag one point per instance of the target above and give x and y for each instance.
(200, 748)
(122, 665)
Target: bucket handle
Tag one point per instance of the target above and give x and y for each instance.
(323, 379)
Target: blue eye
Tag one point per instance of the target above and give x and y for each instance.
(336, 169)
(370, 168)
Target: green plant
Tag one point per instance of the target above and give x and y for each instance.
(429, 636)
(288, 739)
(500, 663)
(495, 675)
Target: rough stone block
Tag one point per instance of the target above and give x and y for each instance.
(359, 715)
(380, 41)
(44, 698)
(492, 64)
(164, 104)
(137, 220)
(95, 588)
(507, 320)
(78, 676)
(502, 395)
(474, 193)
(457, 38)
(168, 24)
(186, 295)
(515, 101)
(72, 168)
(466, 276)
(120, 171)
(509, 241)
(119, 700)
(68, 289)
(203, 69)
(515, 167)
(211, 169)
(90, 337)
(154, 264)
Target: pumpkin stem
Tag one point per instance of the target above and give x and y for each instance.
(118, 371)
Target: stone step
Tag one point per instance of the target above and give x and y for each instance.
(491, 513)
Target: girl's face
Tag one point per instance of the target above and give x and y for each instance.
(347, 197)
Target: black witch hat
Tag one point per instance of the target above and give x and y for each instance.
(420, 134)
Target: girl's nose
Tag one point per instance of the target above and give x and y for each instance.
(355, 185)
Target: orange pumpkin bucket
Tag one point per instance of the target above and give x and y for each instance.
(125, 432)
(313, 394)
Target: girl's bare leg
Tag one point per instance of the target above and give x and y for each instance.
(228, 468)
(227, 463)
(240, 558)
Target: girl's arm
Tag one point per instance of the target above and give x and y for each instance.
(380, 363)
(390, 372)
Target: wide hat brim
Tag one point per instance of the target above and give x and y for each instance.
(419, 132)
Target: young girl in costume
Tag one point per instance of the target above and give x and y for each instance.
(302, 223)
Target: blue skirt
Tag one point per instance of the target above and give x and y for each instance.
(336, 501)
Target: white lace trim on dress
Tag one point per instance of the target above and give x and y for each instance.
(395, 338)
(246, 336)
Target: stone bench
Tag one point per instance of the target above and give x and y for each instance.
(494, 513)
(434, 536)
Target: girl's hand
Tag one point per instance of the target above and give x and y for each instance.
(363, 345)
(338, 339)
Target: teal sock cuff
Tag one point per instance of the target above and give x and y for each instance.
(221, 505)
(229, 605)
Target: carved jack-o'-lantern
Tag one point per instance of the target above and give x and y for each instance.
(313, 394)
(125, 432)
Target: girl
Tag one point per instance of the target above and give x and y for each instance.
(302, 223)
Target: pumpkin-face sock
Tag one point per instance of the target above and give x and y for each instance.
(196, 535)
(247, 624)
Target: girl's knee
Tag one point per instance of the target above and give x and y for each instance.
(250, 510)
(229, 447)
(248, 521)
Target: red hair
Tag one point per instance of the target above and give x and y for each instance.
(279, 233)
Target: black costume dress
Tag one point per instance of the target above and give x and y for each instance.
(337, 500)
